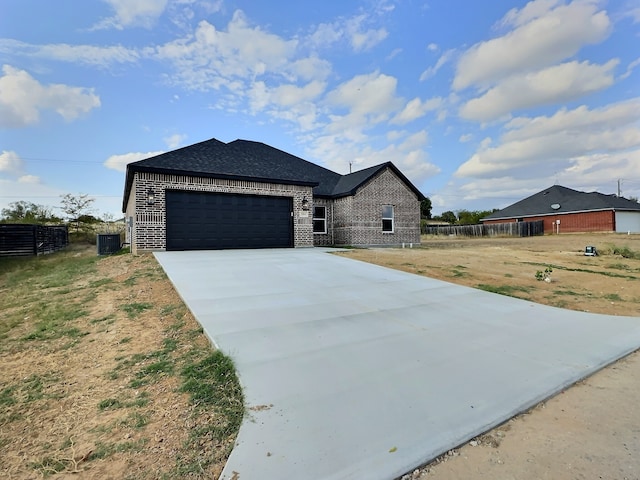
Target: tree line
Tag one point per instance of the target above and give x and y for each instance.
(461, 217)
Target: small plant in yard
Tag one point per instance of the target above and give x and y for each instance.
(544, 275)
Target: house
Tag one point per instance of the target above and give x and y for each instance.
(245, 194)
(564, 210)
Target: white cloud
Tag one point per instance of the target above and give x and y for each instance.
(213, 58)
(84, 54)
(30, 179)
(120, 162)
(368, 39)
(415, 109)
(465, 138)
(532, 10)
(634, 13)
(22, 98)
(354, 31)
(409, 155)
(431, 71)
(433, 47)
(10, 162)
(175, 140)
(556, 84)
(128, 13)
(289, 95)
(532, 145)
(369, 94)
(542, 37)
(630, 69)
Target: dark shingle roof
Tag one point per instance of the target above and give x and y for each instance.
(558, 199)
(255, 161)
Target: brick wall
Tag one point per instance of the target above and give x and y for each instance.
(149, 232)
(358, 219)
(603, 221)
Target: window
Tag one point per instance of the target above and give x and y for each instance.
(319, 219)
(387, 218)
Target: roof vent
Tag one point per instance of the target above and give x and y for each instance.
(555, 206)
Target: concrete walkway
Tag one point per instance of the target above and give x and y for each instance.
(354, 371)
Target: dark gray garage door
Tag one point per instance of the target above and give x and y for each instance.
(207, 221)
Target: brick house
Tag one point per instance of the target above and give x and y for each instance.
(244, 194)
(565, 210)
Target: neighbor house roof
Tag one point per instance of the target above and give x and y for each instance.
(254, 161)
(558, 200)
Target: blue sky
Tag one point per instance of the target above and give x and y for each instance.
(479, 103)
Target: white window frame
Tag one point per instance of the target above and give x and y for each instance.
(391, 218)
(322, 219)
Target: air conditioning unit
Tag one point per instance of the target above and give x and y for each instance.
(108, 243)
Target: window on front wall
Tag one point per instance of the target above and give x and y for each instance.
(319, 219)
(387, 218)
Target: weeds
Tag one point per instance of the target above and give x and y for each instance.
(135, 309)
(508, 290)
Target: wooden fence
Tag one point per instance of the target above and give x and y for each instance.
(25, 240)
(512, 229)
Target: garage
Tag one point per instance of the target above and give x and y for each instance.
(215, 221)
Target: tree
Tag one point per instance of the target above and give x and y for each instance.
(28, 212)
(425, 208)
(634, 199)
(76, 206)
(449, 217)
(466, 217)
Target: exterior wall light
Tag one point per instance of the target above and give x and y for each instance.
(151, 197)
(305, 204)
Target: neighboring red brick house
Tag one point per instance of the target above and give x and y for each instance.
(564, 210)
(243, 194)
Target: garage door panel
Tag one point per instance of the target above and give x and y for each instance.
(203, 220)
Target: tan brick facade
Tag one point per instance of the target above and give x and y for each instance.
(148, 232)
(357, 219)
(351, 220)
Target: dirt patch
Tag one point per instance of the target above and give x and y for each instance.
(607, 283)
(591, 430)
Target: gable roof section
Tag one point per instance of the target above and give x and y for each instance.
(253, 161)
(349, 184)
(566, 200)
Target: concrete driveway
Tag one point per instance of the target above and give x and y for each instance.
(354, 371)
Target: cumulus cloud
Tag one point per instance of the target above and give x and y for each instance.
(408, 154)
(556, 84)
(120, 162)
(431, 71)
(354, 31)
(369, 94)
(543, 35)
(212, 58)
(23, 98)
(415, 109)
(138, 13)
(10, 162)
(30, 179)
(175, 140)
(553, 143)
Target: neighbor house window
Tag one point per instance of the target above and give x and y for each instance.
(387, 218)
(319, 219)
